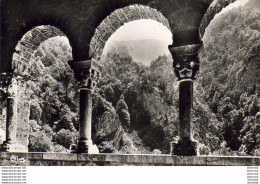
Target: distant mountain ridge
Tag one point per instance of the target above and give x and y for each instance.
(143, 51)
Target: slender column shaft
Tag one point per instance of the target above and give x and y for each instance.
(11, 120)
(10, 84)
(85, 115)
(185, 106)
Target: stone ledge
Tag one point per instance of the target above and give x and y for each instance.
(30, 156)
(70, 159)
(60, 156)
(234, 161)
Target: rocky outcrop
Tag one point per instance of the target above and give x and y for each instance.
(106, 125)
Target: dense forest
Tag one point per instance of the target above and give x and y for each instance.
(54, 101)
(135, 106)
(229, 80)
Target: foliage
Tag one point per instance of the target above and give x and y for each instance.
(229, 78)
(59, 149)
(39, 142)
(122, 111)
(156, 152)
(204, 150)
(55, 104)
(65, 137)
(134, 87)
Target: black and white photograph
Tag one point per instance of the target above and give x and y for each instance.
(116, 83)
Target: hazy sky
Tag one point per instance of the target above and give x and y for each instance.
(143, 29)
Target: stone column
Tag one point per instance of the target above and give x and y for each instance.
(11, 115)
(85, 120)
(10, 85)
(186, 66)
(87, 73)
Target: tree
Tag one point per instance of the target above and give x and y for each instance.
(66, 137)
(39, 142)
(250, 135)
(109, 94)
(55, 102)
(122, 111)
(228, 81)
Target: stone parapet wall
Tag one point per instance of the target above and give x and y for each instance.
(63, 159)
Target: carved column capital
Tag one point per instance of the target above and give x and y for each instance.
(10, 84)
(87, 73)
(185, 61)
(5, 81)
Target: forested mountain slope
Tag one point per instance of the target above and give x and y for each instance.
(229, 79)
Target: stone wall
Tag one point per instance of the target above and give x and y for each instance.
(62, 159)
(79, 20)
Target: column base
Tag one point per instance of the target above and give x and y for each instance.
(184, 147)
(85, 146)
(13, 147)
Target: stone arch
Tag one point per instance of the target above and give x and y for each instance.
(24, 50)
(118, 18)
(215, 7)
(29, 43)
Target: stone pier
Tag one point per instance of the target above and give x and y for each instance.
(186, 65)
(87, 73)
(10, 86)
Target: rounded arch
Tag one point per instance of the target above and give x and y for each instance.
(30, 41)
(215, 7)
(118, 18)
